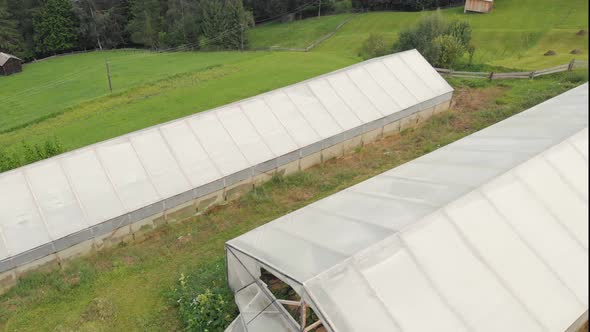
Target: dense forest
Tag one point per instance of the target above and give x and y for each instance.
(38, 28)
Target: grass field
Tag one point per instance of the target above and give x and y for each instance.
(134, 283)
(68, 98)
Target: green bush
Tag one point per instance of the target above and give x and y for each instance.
(204, 300)
(440, 42)
(29, 154)
(449, 50)
(373, 46)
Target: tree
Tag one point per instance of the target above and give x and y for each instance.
(11, 40)
(145, 26)
(449, 50)
(224, 24)
(182, 23)
(55, 27)
(440, 42)
(23, 11)
(373, 46)
(102, 23)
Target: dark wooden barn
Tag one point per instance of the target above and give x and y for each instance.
(9, 64)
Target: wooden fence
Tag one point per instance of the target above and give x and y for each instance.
(519, 74)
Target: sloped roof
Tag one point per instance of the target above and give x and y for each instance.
(55, 203)
(489, 233)
(5, 57)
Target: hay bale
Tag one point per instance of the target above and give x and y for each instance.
(550, 53)
(582, 32)
(576, 51)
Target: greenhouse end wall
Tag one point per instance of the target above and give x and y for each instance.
(134, 225)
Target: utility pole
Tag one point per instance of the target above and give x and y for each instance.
(241, 37)
(109, 76)
(320, 8)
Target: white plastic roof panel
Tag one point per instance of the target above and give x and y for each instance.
(22, 225)
(441, 252)
(425, 71)
(268, 126)
(92, 186)
(96, 189)
(131, 181)
(218, 143)
(245, 135)
(391, 85)
(189, 153)
(313, 111)
(489, 233)
(402, 287)
(160, 163)
(411, 80)
(290, 117)
(334, 105)
(356, 100)
(59, 205)
(374, 92)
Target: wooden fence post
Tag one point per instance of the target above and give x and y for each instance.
(571, 65)
(532, 75)
(491, 76)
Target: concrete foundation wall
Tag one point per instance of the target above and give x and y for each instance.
(180, 208)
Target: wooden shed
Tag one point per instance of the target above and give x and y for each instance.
(479, 6)
(9, 64)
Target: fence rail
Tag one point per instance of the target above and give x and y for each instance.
(574, 64)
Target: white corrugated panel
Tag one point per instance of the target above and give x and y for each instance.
(558, 197)
(189, 153)
(358, 102)
(159, 163)
(521, 270)
(425, 71)
(391, 85)
(244, 134)
(334, 105)
(411, 81)
(377, 96)
(218, 143)
(127, 174)
(290, 117)
(92, 186)
(270, 129)
(59, 205)
(402, 288)
(313, 111)
(464, 281)
(22, 225)
(541, 231)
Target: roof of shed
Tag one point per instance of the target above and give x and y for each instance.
(4, 57)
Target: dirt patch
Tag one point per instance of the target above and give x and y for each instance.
(582, 32)
(576, 51)
(550, 53)
(99, 309)
(473, 99)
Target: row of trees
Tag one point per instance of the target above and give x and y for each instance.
(404, 5)
(38, 28)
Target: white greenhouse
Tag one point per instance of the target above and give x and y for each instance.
(489, 233)
(92, 197)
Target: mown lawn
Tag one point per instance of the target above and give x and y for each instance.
(131, 287)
